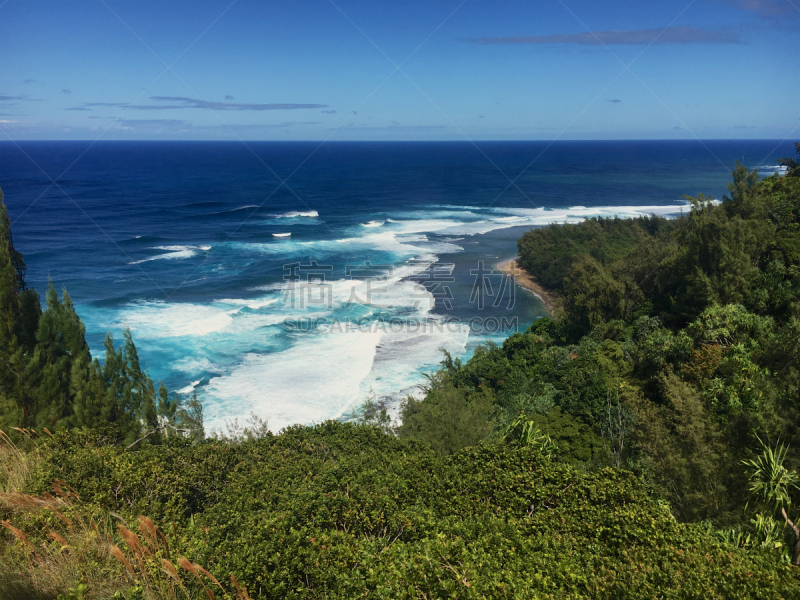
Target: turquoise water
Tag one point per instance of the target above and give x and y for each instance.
(293, 300)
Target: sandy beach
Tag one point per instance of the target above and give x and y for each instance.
(512, 268)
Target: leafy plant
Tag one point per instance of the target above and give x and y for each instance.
(770, 486)
(526, 432)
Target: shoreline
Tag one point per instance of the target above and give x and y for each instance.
(511, 268)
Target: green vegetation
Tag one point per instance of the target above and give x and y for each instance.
(674, 350)
(613, 451)
(48, 379)
(346, 511)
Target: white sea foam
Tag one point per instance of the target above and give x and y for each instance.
(269, 287)
(545, 216)
(172, 253)
(404, 353)
(772, 169)
(191, 364)
(455, 214)
(315, 379)
(400, 242)
(189, 388)
(502, 218)
(298, 213)
(153, 320)
(256, 364)
(157, 319)
(483, 220)
(254, 303)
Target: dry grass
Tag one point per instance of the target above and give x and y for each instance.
(52, 543)
(16, 465)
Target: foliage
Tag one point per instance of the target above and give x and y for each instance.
(345, 511)
(771, 485)
(374, 412)
(676, 342)
(792, 165)
(48, 379)
(526, 433)
(450, 418)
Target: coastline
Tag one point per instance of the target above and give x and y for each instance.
(512, 269)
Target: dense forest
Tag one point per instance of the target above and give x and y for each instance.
(673, 352)
(641, 443)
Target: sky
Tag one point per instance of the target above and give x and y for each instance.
(379, 70)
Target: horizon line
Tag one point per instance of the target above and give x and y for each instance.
(322, 141)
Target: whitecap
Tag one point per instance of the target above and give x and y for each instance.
(189, 388)
(254, 303)
(172, 253)
(298, 213)
(191, 364)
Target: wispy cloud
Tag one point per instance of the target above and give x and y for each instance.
(66, 91)
(768, 9)
(329, 112)
(182, 102)
(78, 108)
(256, 126)
(30, 81)
(615, 100)
(229, 98)
(670, 35)
(129, 124)
(19, 97)
(194, 103)
(150, 123)
(124, 105)
(395, 126)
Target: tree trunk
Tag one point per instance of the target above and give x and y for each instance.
(796, 530)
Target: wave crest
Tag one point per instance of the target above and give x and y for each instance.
(298, 213)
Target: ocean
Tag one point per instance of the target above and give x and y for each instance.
(294, 280)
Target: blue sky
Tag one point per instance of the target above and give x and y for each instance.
(315, 70)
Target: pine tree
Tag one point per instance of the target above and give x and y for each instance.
(190, 416)
(47, 375)
(5, 232)
(15, 400)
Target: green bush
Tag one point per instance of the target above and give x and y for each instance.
(344, 511)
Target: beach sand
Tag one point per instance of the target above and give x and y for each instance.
(520, 276)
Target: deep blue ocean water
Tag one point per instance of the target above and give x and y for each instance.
(391, 256)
